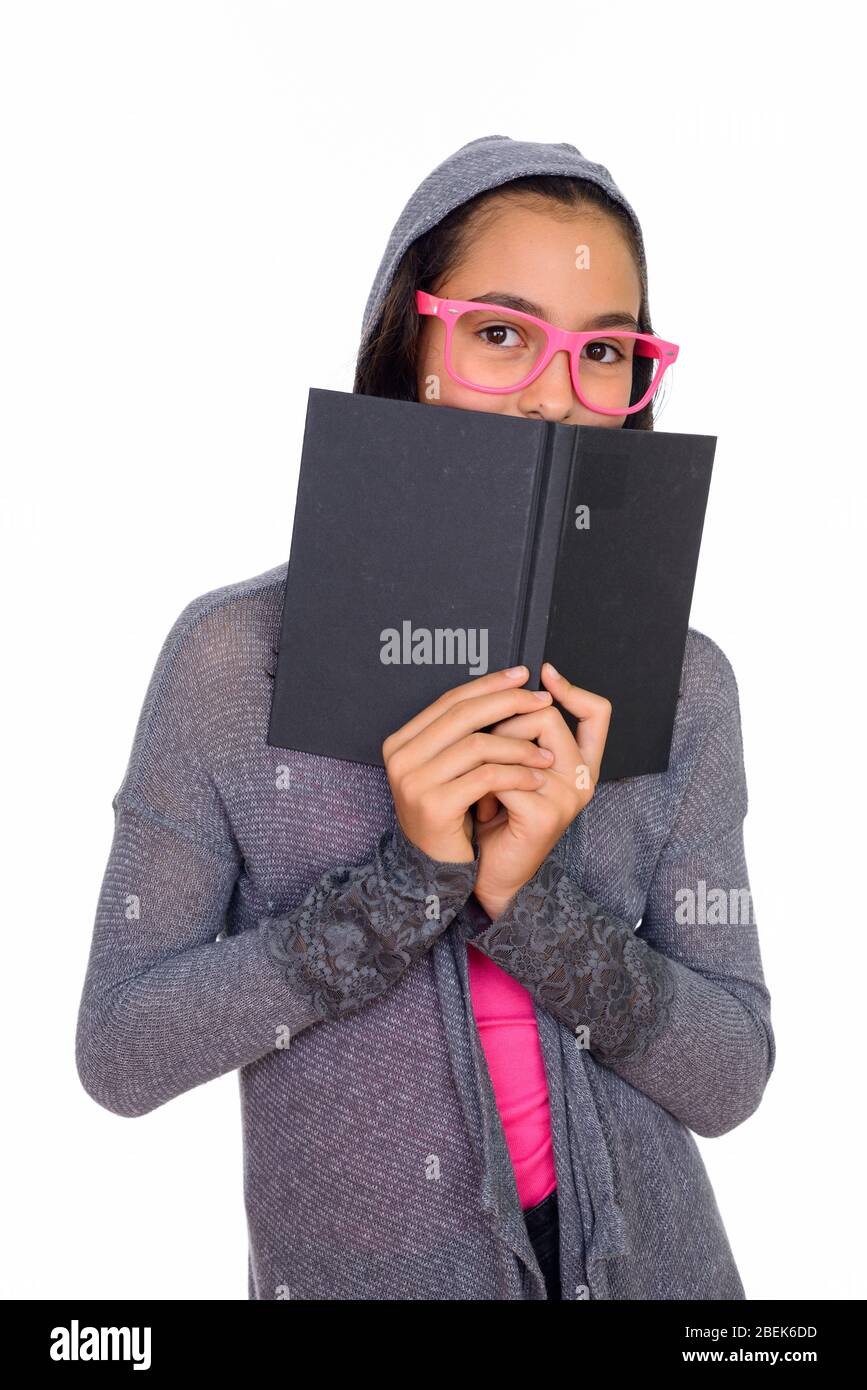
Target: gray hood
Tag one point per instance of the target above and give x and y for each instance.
(479, 165)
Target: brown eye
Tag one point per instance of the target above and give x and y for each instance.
(596, 352)
(497, 333)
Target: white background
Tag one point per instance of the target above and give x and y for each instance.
(182, 184)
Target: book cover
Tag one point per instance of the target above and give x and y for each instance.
(431, 545)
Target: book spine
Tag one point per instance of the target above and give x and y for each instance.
(540, 473)
(560, 448)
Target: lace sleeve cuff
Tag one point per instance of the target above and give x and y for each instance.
(580, 963)
(360, 928)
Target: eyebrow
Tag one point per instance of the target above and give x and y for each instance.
(526, 306)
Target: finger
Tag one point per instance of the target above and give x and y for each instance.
(464, 717)
(513, 676)
(472, 751)
(548, 726)
(490, 777)
(539, 809)
(593, 713)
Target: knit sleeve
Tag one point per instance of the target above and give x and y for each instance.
(582, 964)
(680, 1011)
(359, 929)
(170, 999)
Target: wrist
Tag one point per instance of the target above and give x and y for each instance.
(462, 862)
(457, 850)
(493, 906)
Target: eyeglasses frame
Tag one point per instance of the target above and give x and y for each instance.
(557, 340)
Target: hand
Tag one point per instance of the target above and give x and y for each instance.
(440, 763)
(516, 836)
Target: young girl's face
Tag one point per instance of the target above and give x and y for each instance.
(527, 252)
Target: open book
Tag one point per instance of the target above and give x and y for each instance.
(431, 545)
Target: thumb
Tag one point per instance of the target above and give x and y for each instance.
(486, 808)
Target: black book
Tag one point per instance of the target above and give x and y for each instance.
(431, 545)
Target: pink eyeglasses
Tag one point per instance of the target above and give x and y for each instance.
(498, 350)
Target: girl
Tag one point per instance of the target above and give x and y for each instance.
(494, 1101)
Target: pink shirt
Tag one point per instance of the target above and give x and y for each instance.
(503, 1010)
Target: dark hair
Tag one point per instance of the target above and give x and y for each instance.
(386, 363)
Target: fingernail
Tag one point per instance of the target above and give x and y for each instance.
(546, 753)
(515, 671)
(542, 694)
(539, 778)
(553, 669)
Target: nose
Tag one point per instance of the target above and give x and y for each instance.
(551, 395)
